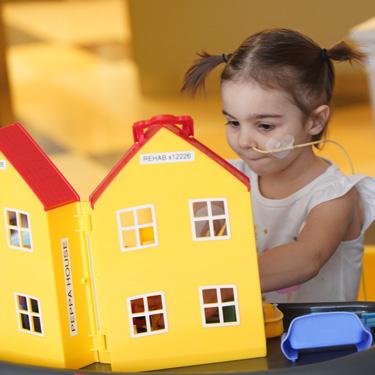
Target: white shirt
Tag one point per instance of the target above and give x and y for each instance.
(279, 221)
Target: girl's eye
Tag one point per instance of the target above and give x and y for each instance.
(233, 123)
(266, 127)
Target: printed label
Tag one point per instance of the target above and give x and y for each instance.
(72, 319)
(3, 165)
(167, 157)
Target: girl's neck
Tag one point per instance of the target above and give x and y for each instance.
(304, 169)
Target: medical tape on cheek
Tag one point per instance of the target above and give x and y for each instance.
(273, 144)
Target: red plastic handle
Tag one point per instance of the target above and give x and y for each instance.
(186, 122)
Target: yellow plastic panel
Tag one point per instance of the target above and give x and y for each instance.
(28, 271)
(177, 266)
(73, 284)
(367, 286)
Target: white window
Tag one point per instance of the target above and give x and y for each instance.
(137, 227)
(29, 314)
(209, 219)
(219, 305)
(147, 314)
(18, 229)
(3, 165)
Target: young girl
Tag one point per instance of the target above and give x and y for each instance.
(310, 219)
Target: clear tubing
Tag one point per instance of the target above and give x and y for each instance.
(275, 150)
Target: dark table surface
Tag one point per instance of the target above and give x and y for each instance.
(313, 363)
(338, 361)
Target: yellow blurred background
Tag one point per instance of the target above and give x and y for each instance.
(78, 73)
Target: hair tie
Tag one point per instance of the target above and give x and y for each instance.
(226, 57)
(323, 54)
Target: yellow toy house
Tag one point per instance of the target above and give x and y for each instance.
(39, 312)
(157, 270)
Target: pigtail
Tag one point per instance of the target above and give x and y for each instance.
(195, 77)
(344, 52)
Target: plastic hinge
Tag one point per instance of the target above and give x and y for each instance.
(98, 342)
(84, 222)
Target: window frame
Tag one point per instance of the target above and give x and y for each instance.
(18, 228)
(136, 227)
(29, 313)
(210, 218)
(146, 313)
(219, 304)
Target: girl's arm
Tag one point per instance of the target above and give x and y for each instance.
(326, 226)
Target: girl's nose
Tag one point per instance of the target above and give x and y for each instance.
(246, 139)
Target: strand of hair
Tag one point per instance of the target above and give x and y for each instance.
(195, 77)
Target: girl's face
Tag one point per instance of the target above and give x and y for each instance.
(258, 117)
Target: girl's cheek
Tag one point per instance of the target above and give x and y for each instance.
(286, 142)
(231, 138)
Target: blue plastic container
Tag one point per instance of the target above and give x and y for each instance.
(320, 330)
(368, 319)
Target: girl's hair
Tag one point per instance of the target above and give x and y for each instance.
(279, 59)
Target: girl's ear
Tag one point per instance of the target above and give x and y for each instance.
(318, 119)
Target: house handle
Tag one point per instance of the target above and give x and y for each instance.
(140, 126)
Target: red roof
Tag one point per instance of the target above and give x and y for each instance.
(145, 130)
(38, 171)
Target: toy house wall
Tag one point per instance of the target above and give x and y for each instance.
(178, 266)
(72, 285)
(27, 273)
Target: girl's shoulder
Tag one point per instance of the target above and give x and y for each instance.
(331, 184)
(334, 184)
